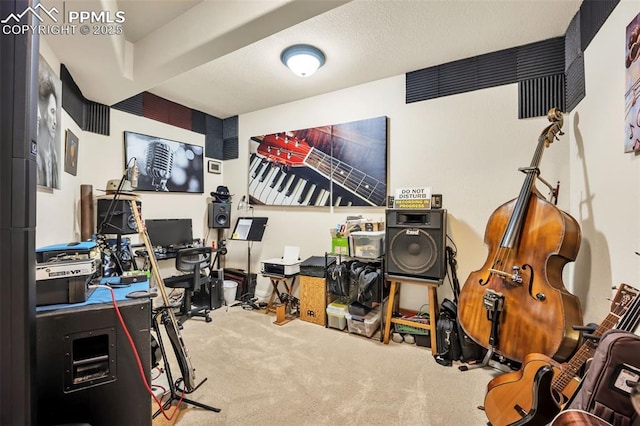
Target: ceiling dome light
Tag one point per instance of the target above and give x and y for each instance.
(302, 59)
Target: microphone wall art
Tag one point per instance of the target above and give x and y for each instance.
(165, 165)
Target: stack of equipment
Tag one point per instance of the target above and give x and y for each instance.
(63, 272)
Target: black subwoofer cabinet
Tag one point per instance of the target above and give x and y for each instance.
(86, 371)
(415, 243)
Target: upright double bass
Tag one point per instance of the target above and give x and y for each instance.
(530, 241)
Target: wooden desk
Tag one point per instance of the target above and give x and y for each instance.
(432, 287)
(289, 282)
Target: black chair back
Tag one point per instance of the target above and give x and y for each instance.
(194, 260)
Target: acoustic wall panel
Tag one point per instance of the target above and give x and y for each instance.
(538, 95)
(540, 59)
(132, 105)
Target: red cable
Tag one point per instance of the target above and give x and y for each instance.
(138, 361)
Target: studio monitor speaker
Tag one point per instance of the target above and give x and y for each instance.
(121, 221)
(415, 243)
(219, 215)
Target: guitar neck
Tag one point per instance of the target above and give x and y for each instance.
(628, 323)
(184, 362)
(355, 181)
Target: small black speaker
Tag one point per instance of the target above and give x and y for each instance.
(219, 215)
(415, 243)
(122, 220)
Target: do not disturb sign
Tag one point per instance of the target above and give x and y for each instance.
(413, 198)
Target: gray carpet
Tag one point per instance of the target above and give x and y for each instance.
(303, 374)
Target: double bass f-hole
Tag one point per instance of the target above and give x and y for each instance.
(515, 278)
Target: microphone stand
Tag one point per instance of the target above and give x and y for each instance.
(251, 285)
(100, 230)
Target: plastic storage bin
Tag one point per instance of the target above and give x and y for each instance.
(366, 325)
(336, 315)
(368, 244)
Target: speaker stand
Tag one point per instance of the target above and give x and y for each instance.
(173, 388)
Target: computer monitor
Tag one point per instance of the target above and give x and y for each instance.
(249, 228)
(169, 232)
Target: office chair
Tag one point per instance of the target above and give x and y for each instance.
(194, 261)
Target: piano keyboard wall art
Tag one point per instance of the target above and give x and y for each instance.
(337, 165)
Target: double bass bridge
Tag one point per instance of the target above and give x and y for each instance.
(516, 278)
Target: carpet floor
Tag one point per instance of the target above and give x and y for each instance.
(304, 374)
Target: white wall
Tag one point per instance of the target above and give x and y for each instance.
(604, 194)
(467, 147)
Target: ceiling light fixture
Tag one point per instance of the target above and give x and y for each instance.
(302, 59)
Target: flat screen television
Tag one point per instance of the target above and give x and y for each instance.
(169, 232)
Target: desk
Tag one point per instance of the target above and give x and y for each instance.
(289, 282)
(160, 255)
(432, 287)
(101, 295)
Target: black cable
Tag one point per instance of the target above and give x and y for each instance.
(452, 263)
(111, 208)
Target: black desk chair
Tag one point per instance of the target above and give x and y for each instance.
(194, 261)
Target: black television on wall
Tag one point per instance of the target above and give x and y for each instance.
(165, 165)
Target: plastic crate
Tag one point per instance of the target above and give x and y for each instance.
(368, 244)
(366, 325)
(406, 329)
(421, 317)
(336, 315)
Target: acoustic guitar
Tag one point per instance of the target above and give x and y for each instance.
(578, 418)
(537, 392)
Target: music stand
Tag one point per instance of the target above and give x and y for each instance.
(249, 229)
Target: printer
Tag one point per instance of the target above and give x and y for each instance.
(288, 265)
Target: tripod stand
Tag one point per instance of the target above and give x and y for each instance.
(162, 315)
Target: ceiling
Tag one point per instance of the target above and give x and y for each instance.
(222, 57)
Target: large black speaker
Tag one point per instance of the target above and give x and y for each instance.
(86, 370)
(122, 220)
(415, 243)
(219, 215)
